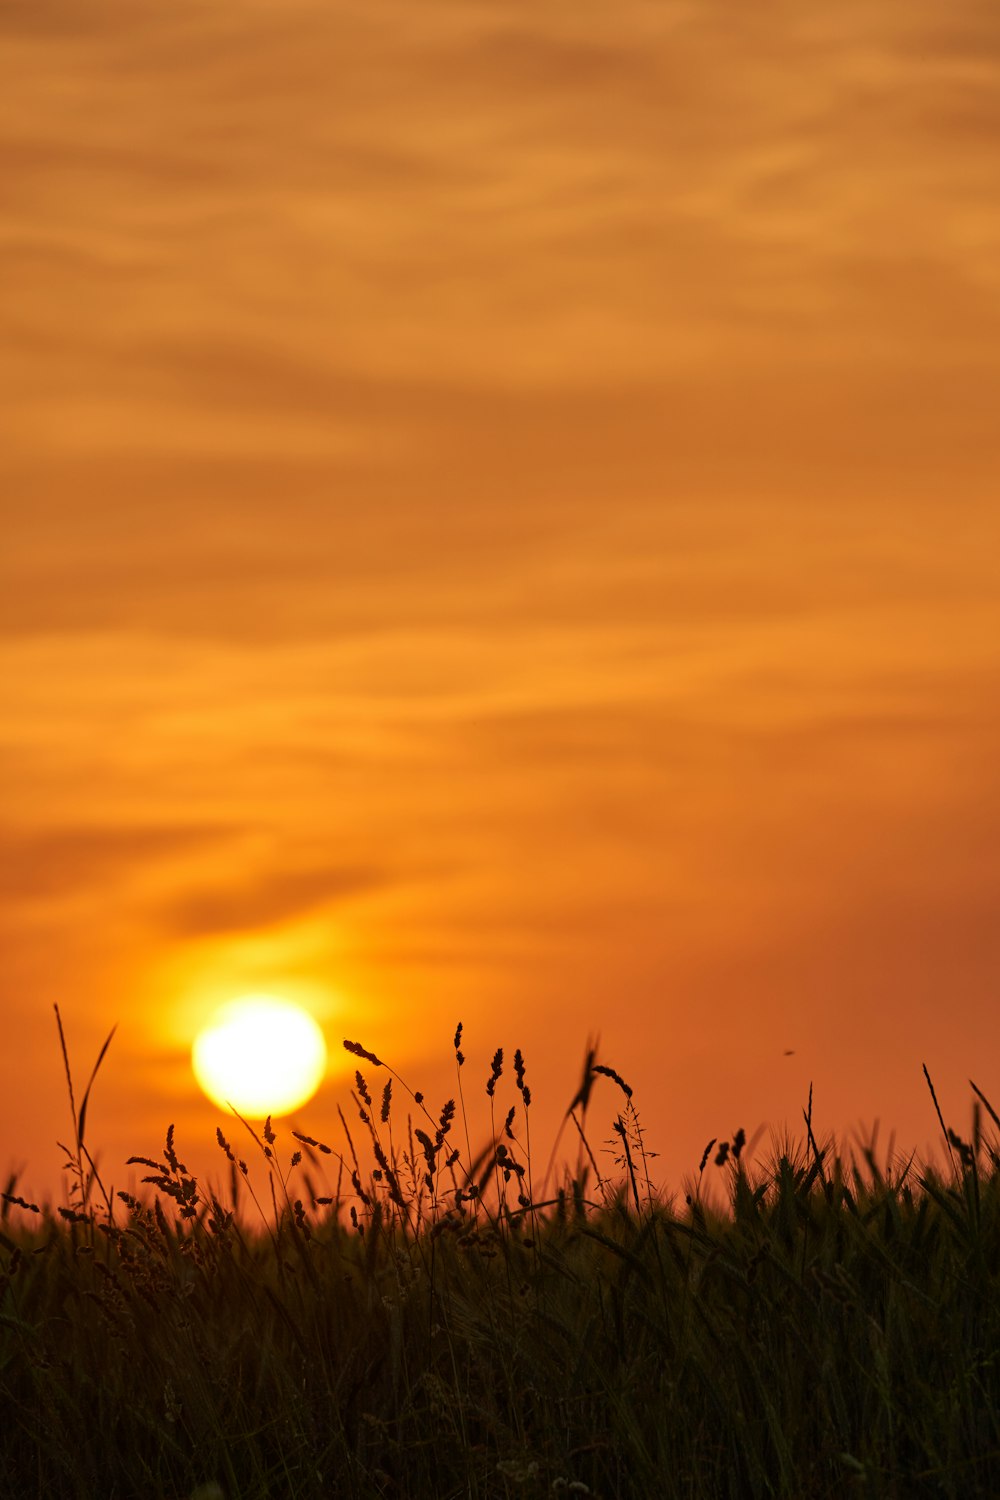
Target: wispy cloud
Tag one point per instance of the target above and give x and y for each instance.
(46, 865)
(255, 903)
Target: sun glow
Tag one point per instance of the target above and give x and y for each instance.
(262, 1055)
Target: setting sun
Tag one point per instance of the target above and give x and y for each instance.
(260, 1055)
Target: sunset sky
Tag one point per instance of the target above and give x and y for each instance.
(501, 522)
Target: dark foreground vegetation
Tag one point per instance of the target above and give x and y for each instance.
(413, 1321)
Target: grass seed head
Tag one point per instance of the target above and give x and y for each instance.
(495, 1072)
(359, 1051)
(615, 1077)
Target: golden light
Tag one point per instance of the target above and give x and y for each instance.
(260, 1054)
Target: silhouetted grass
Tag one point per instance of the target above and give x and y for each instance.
(408, 1318)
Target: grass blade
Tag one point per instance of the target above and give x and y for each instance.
(86, 1096)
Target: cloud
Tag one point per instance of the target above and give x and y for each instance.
(261, 901)
(286, 367)
(81, 859)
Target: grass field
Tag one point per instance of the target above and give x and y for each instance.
(395, 1315)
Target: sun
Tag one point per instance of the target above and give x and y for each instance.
(262, 1055)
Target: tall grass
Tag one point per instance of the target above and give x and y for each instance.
(398, 1314)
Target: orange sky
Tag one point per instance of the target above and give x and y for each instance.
(500, 521)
